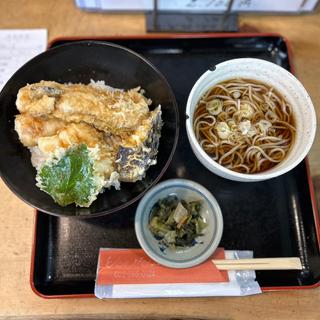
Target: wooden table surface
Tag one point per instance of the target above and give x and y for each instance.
(61, 18)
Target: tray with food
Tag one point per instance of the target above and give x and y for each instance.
(207, 113)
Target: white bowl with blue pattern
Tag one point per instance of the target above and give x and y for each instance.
(205, 245)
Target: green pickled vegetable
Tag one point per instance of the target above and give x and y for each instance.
(176, 222)
(70, 179)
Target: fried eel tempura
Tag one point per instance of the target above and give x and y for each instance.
(110, 110)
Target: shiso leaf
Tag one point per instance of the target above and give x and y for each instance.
(71, 179)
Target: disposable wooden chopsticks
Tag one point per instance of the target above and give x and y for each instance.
(293, 263)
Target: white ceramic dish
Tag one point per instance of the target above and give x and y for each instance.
(211, 213)
(286, 84)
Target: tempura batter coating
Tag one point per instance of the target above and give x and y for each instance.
(110, 110)
(55, 117)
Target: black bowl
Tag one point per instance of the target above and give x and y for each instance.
(79, 62)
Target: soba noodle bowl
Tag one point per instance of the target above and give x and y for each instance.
(244, 125)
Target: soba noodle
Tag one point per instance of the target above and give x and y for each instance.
(244, 125)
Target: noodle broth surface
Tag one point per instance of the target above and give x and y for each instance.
(244, 125)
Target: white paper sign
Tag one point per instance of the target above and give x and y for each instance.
(17, 47)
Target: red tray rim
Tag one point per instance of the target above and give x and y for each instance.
(182, 36)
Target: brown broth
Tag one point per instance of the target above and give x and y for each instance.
(252, 151)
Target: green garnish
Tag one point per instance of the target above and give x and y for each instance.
(175, 222)
(71, 179)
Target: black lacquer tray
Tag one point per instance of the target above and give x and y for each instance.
(275, 218)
